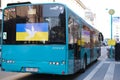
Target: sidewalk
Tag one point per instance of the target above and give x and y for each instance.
(107, 69)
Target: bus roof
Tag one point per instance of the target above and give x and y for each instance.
(10, 4)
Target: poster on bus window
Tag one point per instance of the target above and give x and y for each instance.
(32, 32)
(86, 35)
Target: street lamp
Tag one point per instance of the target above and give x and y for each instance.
(111, 12)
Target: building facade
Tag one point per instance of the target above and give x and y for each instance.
(116, 28)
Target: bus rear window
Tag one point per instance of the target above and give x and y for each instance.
(34, 24)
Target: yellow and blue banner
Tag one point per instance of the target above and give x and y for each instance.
(32, 32)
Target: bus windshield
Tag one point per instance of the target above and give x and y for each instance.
(34, 24)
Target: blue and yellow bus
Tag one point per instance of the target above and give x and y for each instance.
(47, 38)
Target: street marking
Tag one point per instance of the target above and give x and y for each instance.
(117, 62)
(112, 62)
(110, 72)
(14, 77)
(89, 77)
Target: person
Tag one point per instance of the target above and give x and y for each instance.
(117, 51)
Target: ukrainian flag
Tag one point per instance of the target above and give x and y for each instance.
(32, 32)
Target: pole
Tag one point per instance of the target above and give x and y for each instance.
(111, 12)
(111, 54)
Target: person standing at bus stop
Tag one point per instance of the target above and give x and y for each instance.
(117, 50)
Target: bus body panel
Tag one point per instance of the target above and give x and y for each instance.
(85, 51)
(96, 53)
(47, 59)
(71, 61)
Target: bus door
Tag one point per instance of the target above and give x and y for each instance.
(74, 33)
(91, 47)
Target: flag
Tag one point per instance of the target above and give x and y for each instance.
(32, 32)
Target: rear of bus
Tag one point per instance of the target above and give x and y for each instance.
(34, 39)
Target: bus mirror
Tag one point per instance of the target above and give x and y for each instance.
(100, 37)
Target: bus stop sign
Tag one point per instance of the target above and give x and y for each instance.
(111, 42)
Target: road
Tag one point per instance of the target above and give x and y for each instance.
(29, 76)
(103, 69)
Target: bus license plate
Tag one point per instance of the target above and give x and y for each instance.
(31, 69)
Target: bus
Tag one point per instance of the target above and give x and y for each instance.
(0, 39)
(47, 38)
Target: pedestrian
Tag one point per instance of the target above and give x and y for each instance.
(117, 51)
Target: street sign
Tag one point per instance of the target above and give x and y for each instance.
(111, 11)
(111, 42)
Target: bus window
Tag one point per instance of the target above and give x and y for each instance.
(86, 36)
(74, 31)
(70, 26)
(35, 21)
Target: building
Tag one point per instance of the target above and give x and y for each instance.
(116, 28)
(90, 16)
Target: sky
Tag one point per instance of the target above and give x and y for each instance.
(101, 5)
(101, 8)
